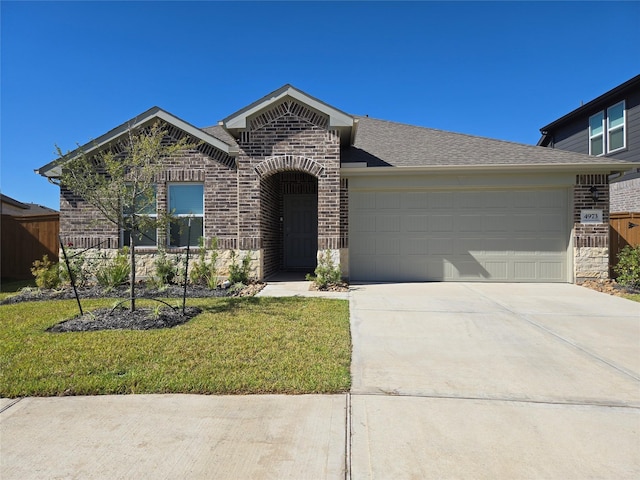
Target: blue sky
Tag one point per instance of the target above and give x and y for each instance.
(71, 71)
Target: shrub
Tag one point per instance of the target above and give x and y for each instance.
(76, 264)
(166, 270)
(116, 271)
(628, 267)
(46, 273)
(239, 273)
(326, 273)
(203, 270)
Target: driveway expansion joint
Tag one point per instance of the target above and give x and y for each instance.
(347, 438)
(9, 405)
(574, 403)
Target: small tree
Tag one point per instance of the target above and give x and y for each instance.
(120, 182)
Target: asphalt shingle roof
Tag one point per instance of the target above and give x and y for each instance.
(383, 143)
(221, 134)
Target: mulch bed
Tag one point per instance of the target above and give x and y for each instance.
(332, 287)
(142, 291)
(610, 287)
(124, 319)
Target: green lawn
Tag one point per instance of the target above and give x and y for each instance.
(236, 346)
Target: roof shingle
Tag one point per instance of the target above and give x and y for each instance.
(384, 143)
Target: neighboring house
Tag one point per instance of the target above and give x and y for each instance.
(29, 231)
(608, 126)
(289, 176)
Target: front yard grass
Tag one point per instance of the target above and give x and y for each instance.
(632, 296)
(236, 346)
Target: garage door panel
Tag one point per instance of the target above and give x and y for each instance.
(551, 223)
(440, 223)
(525, 271)
(552, 270)
(418, 200)
(415, 247)
(440, 200)
(475, 235)
(414, 267)
(468, 223)
(497, 270)
(387, 223)
(440, 246)
(364, 223)
(415, 223)
(363, 201)
(551, 199)
(496, 223)
(469, 201)
(524, 222)
(390, 265)
(387, 201)
(387, 245)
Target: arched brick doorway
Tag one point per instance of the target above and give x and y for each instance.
(289, 221)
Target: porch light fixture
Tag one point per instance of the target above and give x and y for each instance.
(594, 193)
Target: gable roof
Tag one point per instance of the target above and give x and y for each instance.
(53, 169)
(338, 119)
(380, 143)
(585, 110)
(15, 208)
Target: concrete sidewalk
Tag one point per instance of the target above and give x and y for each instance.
(293, 286)
(174, 436)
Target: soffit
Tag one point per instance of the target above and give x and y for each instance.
(53, 169)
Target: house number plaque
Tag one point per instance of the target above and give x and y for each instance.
(590, 216)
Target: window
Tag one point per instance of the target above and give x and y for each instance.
(611, 138)
(186, 201)
(596, 134)
(615, 127)
(147, 237)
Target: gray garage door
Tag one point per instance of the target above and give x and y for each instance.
(461, 235)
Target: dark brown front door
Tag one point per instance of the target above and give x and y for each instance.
(300, 221)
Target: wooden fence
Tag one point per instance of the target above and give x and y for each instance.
(26, 239)
(624, 229)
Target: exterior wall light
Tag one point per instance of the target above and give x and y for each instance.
(594, 193)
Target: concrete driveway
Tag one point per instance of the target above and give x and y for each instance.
(460, 380)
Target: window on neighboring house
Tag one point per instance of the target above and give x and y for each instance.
(616, 127)
(146, 237)
(609, 137)
(596, 134)
(186, 201)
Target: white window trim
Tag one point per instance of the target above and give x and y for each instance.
(591, 137)
(183, 215)
(622, 127)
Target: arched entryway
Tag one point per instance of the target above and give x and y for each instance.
(289, 222)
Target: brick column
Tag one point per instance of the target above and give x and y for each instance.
(591, 241)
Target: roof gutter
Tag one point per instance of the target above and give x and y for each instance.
(479, 169)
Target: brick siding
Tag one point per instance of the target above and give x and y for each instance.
(625, 196)
(591, 241)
